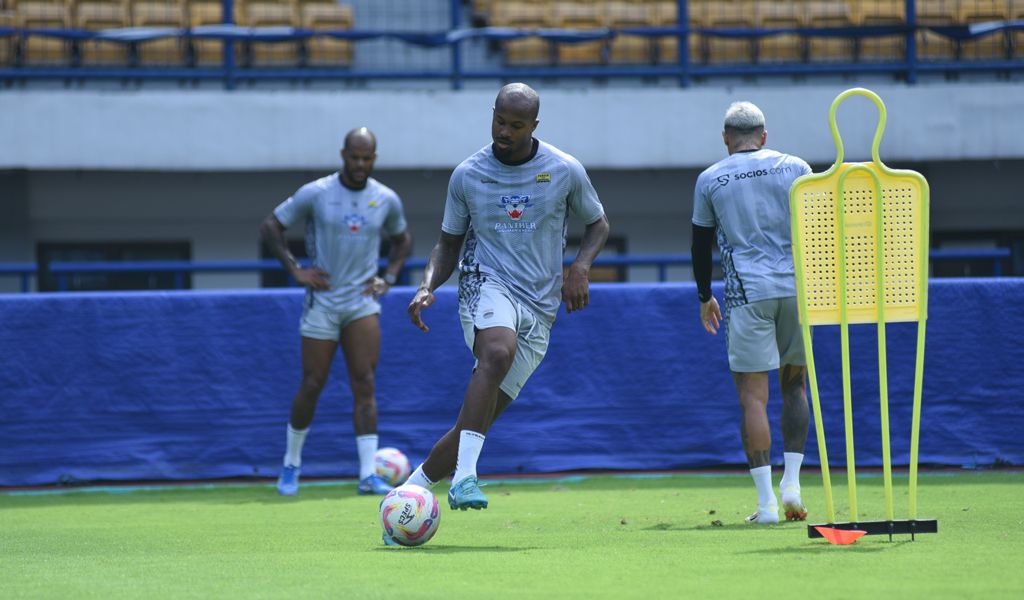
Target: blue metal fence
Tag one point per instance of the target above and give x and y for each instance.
(661, 262)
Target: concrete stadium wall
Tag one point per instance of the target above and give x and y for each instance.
(606, 127)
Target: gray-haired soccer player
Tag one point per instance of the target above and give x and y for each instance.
(344, 215)
(507, 208)
(745, 197)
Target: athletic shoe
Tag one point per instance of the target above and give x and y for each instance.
(466, 494)
(765, 515)
(792, 505)
(288, 482)
(388, 540)
(373, 484)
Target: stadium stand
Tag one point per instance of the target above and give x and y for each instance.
(936, 13)
(44, 14)
(269, 13)
(990, 47)
(326, 15)
(169, 51)
(526, 15)
(205, 52)
(872, 13)
(97, 15)
(825, 14)
(571, 14)
(625, 48)
(783, 47)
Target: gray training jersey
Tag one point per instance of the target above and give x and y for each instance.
(343, 232)
(515, 218)
(746, 196)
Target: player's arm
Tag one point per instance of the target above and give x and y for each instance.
(576, 288)
(700, 250)
(440, 267)
(272, 234)
(399, 247)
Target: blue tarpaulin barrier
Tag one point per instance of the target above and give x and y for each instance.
(196, 385)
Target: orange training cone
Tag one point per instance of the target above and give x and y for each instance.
(840, 536)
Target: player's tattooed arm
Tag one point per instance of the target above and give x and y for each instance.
(272, 234)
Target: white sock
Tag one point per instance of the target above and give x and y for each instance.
(791, 476)
(420, 478)
(470, 445)
(293, 453)
(367, 445)
(763, 480)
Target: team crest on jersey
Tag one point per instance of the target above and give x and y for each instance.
(355, 222)
(373, 203)
(515, 206)
(544, 177)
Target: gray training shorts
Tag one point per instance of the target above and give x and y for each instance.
(491, 305)
(321, 323)
(763, 335)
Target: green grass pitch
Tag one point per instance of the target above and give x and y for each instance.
(667, 536)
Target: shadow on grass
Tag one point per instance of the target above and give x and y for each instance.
(442, 549)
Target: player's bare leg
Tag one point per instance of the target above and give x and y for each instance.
(757, 441)
(795, 419)
(441, 461)
(317, 356)
(360, 343)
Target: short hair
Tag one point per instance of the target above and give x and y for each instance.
(744, 117)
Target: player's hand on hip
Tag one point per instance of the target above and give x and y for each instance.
(423, 298)
(376, 287)
(710, 315)
(576, 288)
(313, 277)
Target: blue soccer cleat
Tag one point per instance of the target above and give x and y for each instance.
(466, 494)
(388, 540)
(373, 484)
(288, 482)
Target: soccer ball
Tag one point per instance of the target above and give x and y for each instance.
(410, 515)
(392, 466)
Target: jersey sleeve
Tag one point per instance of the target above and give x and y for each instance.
(298, 207)
(456, 207)
(394, 222)
(703, 211)
(583, 201)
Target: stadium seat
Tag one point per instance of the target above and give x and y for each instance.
(326, 51)
(161, 13)
(269, 13)
(990, 47)
(44, 14)
(8, 18)
(628, 49)
(1017, 36)
(97, 15)
(522, 15)
(664, 13)
(783, 47)
(206, 52)
(829, 14)
(878, 13)
(931, 45)
(738, 14)
(580, 15)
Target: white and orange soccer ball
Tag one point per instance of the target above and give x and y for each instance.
(409, 515)
(392, 466)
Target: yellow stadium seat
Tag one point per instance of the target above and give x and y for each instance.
(732, 15)
(207, 52)
(523, 51)
(580, 16)
(40, 14)
(269, 13)
(628, 49)
(1017, 36)
(161, 13)
(97, 15)
(664, 13)
(827, 14)
(931, 45)
(992, 46)
(327, 51)
(8, 18)
(783, 47)
(879, 13)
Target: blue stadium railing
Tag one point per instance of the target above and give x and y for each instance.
(907, 65)
(661, 262)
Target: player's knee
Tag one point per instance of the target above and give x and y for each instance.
(496, 358)
(362, 383)
(313, 382)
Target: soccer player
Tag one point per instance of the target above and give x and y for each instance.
(744, 198)
(345, 214)
(506, 209)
